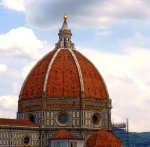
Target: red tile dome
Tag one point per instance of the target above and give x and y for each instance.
(103, 138)
(64, 73)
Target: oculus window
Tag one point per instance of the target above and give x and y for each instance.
(63, 118)
(96, 120)
(26, 141)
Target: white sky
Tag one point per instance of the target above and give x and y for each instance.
(113, 34)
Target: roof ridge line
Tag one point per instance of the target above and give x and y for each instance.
(79, 72)
(98, 73)
(48, 69)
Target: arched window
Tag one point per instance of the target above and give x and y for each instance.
(64, 42)
(32, 118)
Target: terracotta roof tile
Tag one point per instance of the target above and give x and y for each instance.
(103, 138)
(63, 134)
(17, 122)
(34, 85)
(63, 80)
(94, 86)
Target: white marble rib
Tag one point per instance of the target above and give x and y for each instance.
(98, 73)
(30, 73)
(48, 70)
(79, 70)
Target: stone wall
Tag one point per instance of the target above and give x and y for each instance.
(14, 136)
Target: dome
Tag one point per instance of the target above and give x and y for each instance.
(65, 91)
(103, 138)
(64, 73)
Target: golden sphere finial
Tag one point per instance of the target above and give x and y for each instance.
(65, 16)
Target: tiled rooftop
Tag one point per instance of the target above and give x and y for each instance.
(63, 134)
(103, 138)
(34, 85)
(63, 80)
(17, 122)
(93, 83)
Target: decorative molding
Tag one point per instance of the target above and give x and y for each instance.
(62, 104)
(29, 105)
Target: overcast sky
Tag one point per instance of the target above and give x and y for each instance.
(113, 34)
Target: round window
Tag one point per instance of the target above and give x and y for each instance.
(63, 118)
(26, 141)
(96, 120)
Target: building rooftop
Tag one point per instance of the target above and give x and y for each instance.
(103, 138)
(63, 134)
(17, 122)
